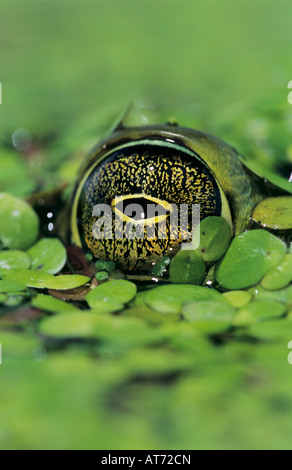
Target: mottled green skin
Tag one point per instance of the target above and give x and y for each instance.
(193, 184)
(239, 187)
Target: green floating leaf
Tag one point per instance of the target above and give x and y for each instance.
(14, 259)
(259, 310)
(107, 306)
(124, 333)
(51, 304)
(281, 295)
(279, 276)
(150, 315)
(185, 337)
(274, 212)
(104, 265)
(120, 333)
(110, 266)
(157, 363)
(249, 257)
(101, 275)
(101, 264)
(11, 286)
(237, 298)
(209, 316)
(66, 282)
(19, 224)
(42, 280)
(212, 236)
(170, 298)
(48, 255)
(158, 269)
(187, 267)
(14, 299)
(27, 277)
(278, 331)
(75, 325)
(115, 292)
(139, 299)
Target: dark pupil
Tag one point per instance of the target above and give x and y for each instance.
(141, 210)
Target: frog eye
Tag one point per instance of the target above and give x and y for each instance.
(142, 169)
(140, 208)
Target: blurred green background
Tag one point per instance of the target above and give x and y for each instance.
(68, 69)
(63, 62)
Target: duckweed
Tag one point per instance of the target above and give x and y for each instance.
(51, 304)
(237, 298)
(187, 267)
(42, 280)
(170, 298)
(19, 224)
(213, 236)
(260, 310)
(101, 275)
(225, 290)
(127, 376)
(48, 255)
(14, 259)
(279, 276)
(11, 286)
(119, 291)
(274, 213)
(209, 316)
(249, 257)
